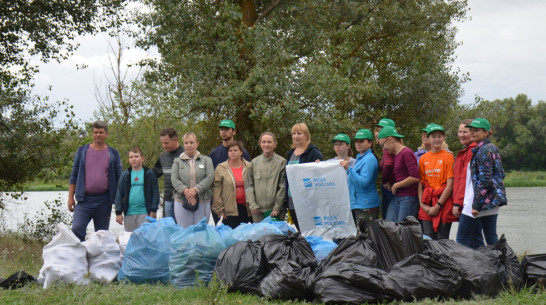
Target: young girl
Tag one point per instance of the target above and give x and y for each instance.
(342, 147)
(361, 179)
(138, 193)
(265, 191)
(436, 186)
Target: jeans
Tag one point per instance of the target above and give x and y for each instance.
(169, 210)
(96, 207)
(401, 207)
(489, 227)
(470, 232)
(386, 198)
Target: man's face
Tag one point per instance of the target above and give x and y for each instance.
(227, 133)
(168, 143)
(99, 135)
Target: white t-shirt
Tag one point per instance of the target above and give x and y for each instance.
(469, 198)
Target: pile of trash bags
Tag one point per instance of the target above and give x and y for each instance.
(386, 261)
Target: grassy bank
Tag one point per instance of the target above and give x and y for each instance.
(525, 179)
(40, 186)
(20, 254)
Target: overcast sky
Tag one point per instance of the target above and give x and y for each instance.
(503, 50)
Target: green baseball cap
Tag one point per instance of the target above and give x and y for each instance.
(480, 123)
(386, 122)
(426, 128)
(434, 127)
(363, 134)
(388, 131)
(342, 137)
(227, 123)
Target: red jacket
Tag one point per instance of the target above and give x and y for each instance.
(431, 197)
(459, 180)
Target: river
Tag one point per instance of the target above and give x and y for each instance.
(523, 220)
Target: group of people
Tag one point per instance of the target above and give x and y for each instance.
(429, 184)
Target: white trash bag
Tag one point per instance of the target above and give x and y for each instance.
(65, 259)
(123, 241)
(103, 256)
(321, 199)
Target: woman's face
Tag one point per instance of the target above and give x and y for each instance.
(190, 145)
(341, 148)
(234, 153)
(436, 139)
(362, 145)
(464, 134)
(478, 134)
(298, 137)
(267, 143)
(424, 138)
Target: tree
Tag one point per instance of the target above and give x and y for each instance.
(30, 131)
(336, 65)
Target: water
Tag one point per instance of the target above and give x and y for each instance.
(523, 220)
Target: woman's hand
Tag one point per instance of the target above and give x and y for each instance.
(119, 219)
(274, 213)
(344, 164)
(475, 213)
(190, 192)
(255, 212)
(394, 189)
(456, 211)
(434, 210)
(191, 200)
(153, 215)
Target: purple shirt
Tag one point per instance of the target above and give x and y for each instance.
(405, 165)
(96, 171)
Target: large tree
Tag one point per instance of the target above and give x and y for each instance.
(30, 130)
(336, 65)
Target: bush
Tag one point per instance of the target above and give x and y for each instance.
(41, 227)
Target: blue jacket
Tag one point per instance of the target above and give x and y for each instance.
(487, 177)
(219, 154)
(77, 176)
(151, 191)
(361, 179)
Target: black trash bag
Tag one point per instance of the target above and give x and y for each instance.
(354, 284)
(357, 250)
(17, 280)
(428, 275)
(279, 249)
(506, 261)
(289, 282)
(479, 274)
(533, 269)
(241, 266)
(395, 241)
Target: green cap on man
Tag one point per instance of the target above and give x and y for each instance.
(480, 123)
(388, 131)
(363, 134)
(228, 124)
(386, 122)
(434, 127)
(342, 137)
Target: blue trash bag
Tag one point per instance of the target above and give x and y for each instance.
(282, 225)
(250, 231)
(320, 247)
(223, 230)
(194, 252)
(146, 258)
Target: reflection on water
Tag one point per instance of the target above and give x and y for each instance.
(523, 220)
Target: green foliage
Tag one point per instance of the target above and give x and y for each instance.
(42, 226)
(519, 131)
(525, 179)
(338, 66)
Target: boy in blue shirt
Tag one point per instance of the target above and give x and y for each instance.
(138, 193)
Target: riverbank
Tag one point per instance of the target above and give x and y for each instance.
(19, 254)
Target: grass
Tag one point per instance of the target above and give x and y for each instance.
(40, 186)
(525, 179)
(20, 254)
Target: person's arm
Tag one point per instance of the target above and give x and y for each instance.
(281, 191)
(411, 164)
(443, 198)
(71, 201)
(425, 207)
(117, 166)
(388, 167)
(217, 202)
(176, 181)
(155, 194)
(158, 168)
(249, 190)
(366, 174)
(404, 183)
(206, 183)
(73, 180)
(484, 181)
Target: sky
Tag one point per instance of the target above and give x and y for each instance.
(503, 50)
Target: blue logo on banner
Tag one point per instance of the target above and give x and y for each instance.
(307, 182)
(331, 221)
(318, 221)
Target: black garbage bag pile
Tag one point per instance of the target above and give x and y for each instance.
(279, 266)
(533, 268)
(506, 261)
(479, 274)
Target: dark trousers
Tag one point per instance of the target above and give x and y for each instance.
(235, 221)
(386, 198)
(295, 219)
(95, 207)
(443, 230)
